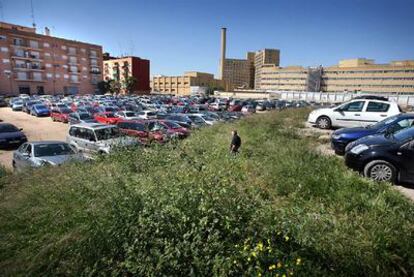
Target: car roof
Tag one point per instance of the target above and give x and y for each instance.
(93, 126)
(46, 142)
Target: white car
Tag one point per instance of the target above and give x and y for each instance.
(198, 118)
(148, 114)
(355, 113)
(129, 115)
(95, 138)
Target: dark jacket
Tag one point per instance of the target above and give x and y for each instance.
(236, 141)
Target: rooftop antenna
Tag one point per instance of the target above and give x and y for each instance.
(32, 10)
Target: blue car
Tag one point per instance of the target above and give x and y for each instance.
(39, 110)
(341, 138)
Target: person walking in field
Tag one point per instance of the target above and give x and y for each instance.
(235, 143)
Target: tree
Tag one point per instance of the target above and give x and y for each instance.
(104, 86)
(114, 87)
(129, 83)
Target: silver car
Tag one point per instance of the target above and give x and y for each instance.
(97, 138)
(40, 153)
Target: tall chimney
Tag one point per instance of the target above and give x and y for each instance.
(223, 51)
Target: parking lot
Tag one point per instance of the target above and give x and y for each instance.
(35, 128)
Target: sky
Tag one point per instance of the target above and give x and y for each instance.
(184, 35)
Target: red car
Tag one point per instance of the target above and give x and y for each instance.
(61, 115)
(169, 128)
(106, 118)
(235, 108)
(138, 128)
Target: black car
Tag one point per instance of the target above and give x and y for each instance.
(384, 157)
(11, 136)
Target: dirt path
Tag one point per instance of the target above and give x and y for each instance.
(42, 128)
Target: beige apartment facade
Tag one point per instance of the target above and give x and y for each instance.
(237, 73)
(33, 63)
(182, 85)
(292, 78)
(363, 75)
(264, 58)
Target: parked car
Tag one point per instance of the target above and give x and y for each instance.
(202, 119)
(61, 115)
(39, 110)
(41, 153)
(384, 157)
(17, 105)
(355, 113)
(81, 117)
(135, 128)
(248, 109)
(148, 114)
(3, 102)
(11, 136)
(97, 138)
(169, 128)
(130, 115)
(28, 105)
(106, 118)
(342, 137)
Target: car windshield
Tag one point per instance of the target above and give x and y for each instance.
(107, 133)
(404, 134)
(18, 102)
(109, 115)
(110, 109)
(129, 114)
(40, 107)
(85, 116)
(197, 119)
(151, 114)
(52, 149)
(138, 127)
(171, 125)
(7, 128)
(66, 110)
(384, 122)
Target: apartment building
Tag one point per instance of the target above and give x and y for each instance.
(263, 58)
(33, 63)
(239, 73)
(119, 69)
(363, 75)
(290, 78)
(182, 85)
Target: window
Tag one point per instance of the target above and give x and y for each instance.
(73, 60)
(2, 37)
(377, 107)
(72, 50)
(353, 106)
(63, 47)
(57, 76)
(49, 75)
(34, 44)
(4, 49)
(66, 76)
(34, 55)
(48, 65)
(406, 123)
(64, 57)
(37, 76)
(6, 61)
(74, 78)
(47, 55)
(46, 45)
(22, 75)
(18, 42)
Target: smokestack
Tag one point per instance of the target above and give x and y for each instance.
(47, 31)
(223, 51)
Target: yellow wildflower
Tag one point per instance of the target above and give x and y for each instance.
(279, 265)
(259, 274)
(254, 254)
(284, 275)
(286, 238)
(298, 261)
(249, 259)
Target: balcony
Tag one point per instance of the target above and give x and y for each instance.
(26, 57)
(26, 46)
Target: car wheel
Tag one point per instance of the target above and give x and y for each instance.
(53, 119)
(380, 171)
(14, 165)
(324, 122)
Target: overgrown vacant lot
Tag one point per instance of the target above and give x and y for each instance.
(192, 209)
